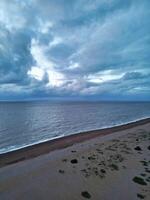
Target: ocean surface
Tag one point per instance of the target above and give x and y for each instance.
(26, 123)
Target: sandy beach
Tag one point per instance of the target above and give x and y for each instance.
(104, 164)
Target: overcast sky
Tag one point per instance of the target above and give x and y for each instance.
(75, 49)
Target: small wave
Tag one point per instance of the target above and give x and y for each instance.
(17, 147)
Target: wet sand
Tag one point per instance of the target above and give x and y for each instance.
(91, 166)
(60, 143)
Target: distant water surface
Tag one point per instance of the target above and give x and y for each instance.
(27, 123)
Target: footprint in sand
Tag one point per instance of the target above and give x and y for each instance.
(143, 174)
(148, 179)
(145, 163)
(114, 167)
(147, 170)
(103, 171)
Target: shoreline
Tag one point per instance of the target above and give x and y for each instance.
(73, 133)
(38, 149)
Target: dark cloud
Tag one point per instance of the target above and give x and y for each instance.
(135, 76)
(74, 48)
(15, 57)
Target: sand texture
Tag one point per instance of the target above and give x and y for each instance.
(109, 167)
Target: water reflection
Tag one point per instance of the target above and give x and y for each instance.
(24, 123)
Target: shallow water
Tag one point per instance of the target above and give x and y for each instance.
(27, 123)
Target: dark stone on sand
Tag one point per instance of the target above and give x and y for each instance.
(139, 180)
(103, 171)
(140, 196)
(74, 161)
(86, 195)
(138, 148)
(91, 158)
(61, 171)
(148, 147)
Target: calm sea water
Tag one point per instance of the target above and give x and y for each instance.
(27, 123)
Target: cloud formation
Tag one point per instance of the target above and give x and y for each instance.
(75, 49)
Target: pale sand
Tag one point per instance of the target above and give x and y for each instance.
(102, 168)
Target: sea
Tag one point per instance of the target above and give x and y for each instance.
(26, 123)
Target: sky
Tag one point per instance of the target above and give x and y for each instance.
(75, 49)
